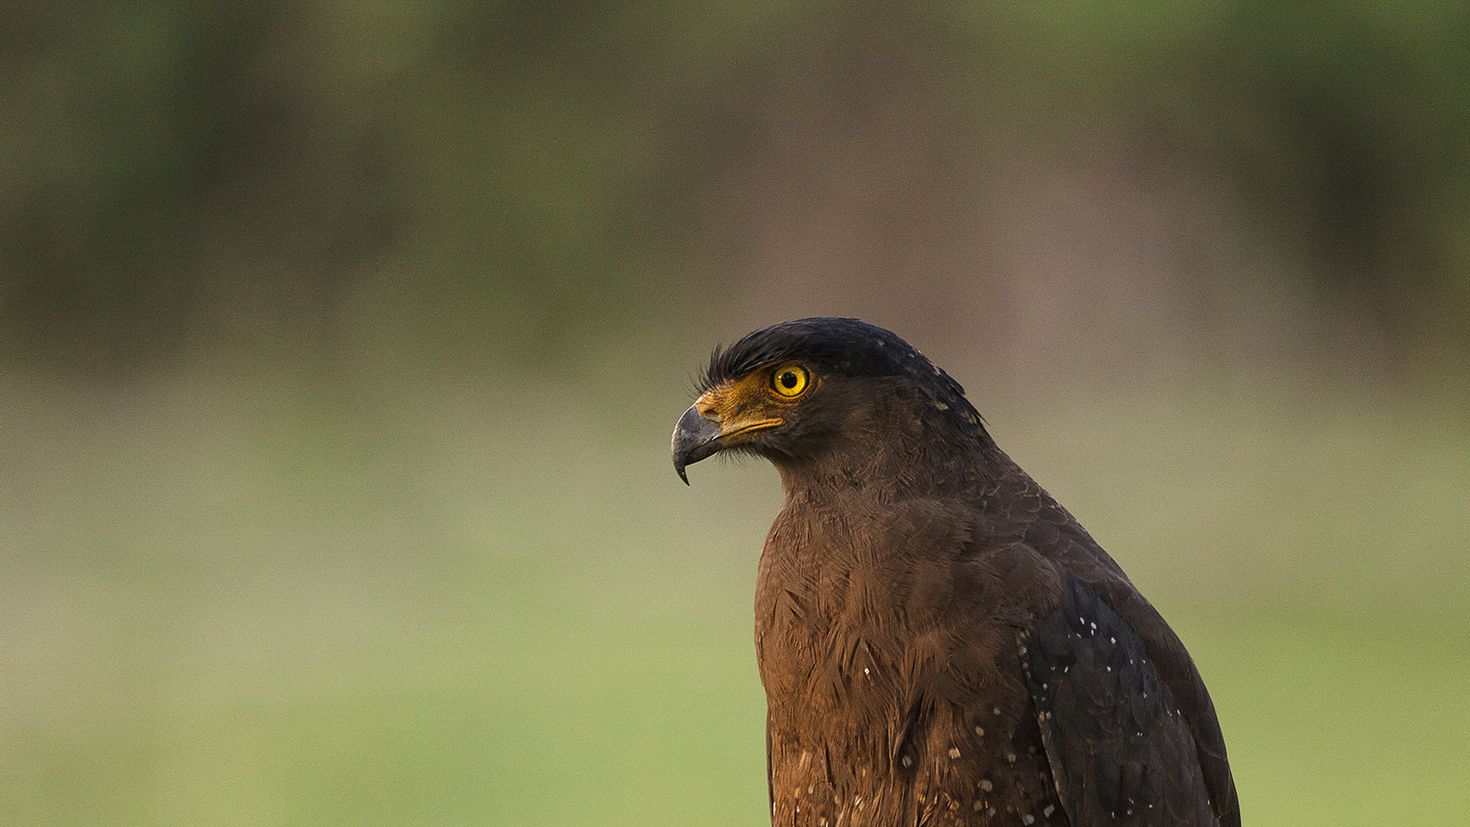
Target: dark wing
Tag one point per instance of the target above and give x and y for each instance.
(1169, 657)
(1120, 747)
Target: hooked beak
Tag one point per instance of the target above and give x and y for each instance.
(695, 438)
(714, 422)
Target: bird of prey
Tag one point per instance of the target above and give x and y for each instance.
(940, 642)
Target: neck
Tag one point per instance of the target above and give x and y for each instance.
(955, 454)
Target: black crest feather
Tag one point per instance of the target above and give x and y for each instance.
(849, 346)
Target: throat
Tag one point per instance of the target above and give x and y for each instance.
(892, 466)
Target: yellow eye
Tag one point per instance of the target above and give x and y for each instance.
(790, 381)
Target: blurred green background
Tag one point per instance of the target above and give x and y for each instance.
(340, 345)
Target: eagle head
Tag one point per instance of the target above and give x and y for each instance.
(798, 391)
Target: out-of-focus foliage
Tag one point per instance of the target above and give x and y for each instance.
(521, 172)
(340, 344)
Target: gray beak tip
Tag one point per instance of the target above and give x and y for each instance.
(694, 439)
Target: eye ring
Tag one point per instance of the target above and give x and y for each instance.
(790, 381)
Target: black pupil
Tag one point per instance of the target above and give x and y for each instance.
(788, 379)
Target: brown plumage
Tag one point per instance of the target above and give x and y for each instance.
(940, 642)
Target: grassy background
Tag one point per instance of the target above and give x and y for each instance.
(227, 607)
(340, 344)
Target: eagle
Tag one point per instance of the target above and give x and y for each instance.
(941, 642)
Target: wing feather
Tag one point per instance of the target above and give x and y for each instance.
(1121, 748)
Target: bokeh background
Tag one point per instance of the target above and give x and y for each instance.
(340, 344)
